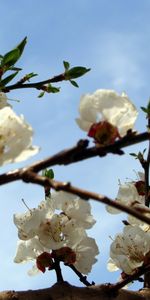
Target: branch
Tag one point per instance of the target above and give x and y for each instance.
(75, 154)
(29, 176)
(81, 152)
(135, 276)
(36, 85)
(65, 291)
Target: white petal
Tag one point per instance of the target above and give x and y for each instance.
(16, 137)
(86, 251)
(84, 125)
(34, 271)
(111, 266)
(28, 250)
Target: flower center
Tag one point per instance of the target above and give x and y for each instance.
(103, 133)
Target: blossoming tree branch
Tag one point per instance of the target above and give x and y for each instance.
(57, 230)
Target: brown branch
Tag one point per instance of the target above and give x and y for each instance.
(75, 154)
(135, 276)
(81, 152)
(65, 291)
(29, 176)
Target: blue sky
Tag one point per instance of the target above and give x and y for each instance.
(113, 39)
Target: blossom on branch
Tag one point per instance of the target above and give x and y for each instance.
(128, 195)
(15, 137)
(130, 250)
(59, 223)
(132, 194)
(106, 115)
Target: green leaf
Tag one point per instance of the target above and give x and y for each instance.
(66, 65)
(75, 72)
(133, 154)
(52, 89)
(74, 83)
(41, 95)
(30, 75)
(48, 173)
(10, 58)
(14, 69)
(8, 79)
(21, 45)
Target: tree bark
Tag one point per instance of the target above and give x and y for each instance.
(65, 291)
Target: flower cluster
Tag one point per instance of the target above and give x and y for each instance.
(57, 228)
(106, 116)
(15, 135)
(131, 249)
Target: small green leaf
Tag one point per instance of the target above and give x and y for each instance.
(7, 79)
(41, 95)
(52, 89)
(30, 75)
(48, 173)
(14, 69)
(74, 83)
(75, 72)
(66, 65)
(133, 154)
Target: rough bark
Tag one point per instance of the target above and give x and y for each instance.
(65, 291)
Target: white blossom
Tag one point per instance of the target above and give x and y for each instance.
(107, 105)
(59, 221)
(129, 249)
(28, 223)
(128, 195)
(56, 221)
(15, 137)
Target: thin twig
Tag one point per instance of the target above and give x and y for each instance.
(82, 278)
(36, 85)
